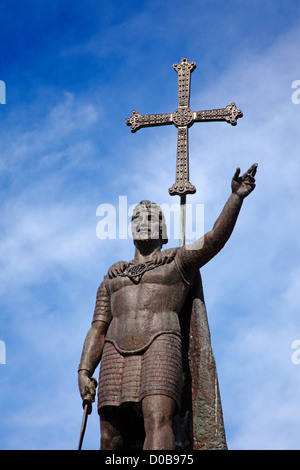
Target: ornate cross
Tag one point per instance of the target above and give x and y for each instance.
(183, 118)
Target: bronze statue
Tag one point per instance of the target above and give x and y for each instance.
(150, 332)
(158, 385)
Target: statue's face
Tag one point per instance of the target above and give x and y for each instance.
(145, 224)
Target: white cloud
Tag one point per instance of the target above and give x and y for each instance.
(63, 133)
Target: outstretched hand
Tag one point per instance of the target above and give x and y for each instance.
(245, 184)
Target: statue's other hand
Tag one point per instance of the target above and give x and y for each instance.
(116, 269)
(87, 387)
(245, 184)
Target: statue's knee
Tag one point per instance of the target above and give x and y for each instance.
(110, 439)
(158, 413)
(111, 442)
(156, 421)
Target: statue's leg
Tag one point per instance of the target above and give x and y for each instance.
(111, 431)
(158, 411)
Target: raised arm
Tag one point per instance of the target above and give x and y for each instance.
(192, 256)
(241, 187)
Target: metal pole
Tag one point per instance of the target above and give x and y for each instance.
(182, 219)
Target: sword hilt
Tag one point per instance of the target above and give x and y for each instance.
(87, 402)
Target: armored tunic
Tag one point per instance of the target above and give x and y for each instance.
(134, 325)
(142, 353)
(130, 378)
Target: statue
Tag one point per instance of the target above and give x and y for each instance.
(158, 386)
(136, 326)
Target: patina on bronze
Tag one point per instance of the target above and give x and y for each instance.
(158, 387)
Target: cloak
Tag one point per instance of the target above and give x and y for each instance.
(198, 425)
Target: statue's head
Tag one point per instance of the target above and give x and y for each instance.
(148, 223)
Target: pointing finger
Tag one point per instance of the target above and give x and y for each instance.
(253, 169)
(236, 174)
(249, 174)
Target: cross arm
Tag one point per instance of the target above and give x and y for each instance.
(229, 114)
(137, 120)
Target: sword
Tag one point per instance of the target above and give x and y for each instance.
(87, 409)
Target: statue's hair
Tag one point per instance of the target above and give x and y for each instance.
(153, 206)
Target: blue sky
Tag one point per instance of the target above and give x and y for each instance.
(73, 73)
